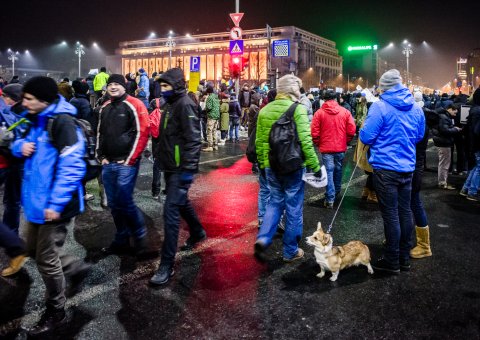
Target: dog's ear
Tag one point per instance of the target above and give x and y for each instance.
(319, 227)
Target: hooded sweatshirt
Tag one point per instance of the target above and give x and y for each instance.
(394, 125)
(332, 128)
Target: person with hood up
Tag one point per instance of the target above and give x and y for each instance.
(143, 90)
(179, 148)
(51, 193)
(394, 125)
(332, 128)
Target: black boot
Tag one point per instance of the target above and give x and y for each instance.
(193, 240)
(51, 319)
(162, 276)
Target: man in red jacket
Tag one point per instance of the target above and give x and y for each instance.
(123, 130)
(332, 128)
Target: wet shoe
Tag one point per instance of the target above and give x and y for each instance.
(405, 265)
(328, 205)
(259, 250)
(15, 265)
(464, 192)
(192, 241)
(76, 279)
(208, 149)
(115, 249)
(50, 320)
(473, 197)
(162, 276)
(445, 186)
(382, 265)
(215, 148)
(300, 254)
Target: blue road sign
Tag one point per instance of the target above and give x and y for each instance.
(236, 47)
(194, 64)
(281, 48)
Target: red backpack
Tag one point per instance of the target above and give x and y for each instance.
(154, 118)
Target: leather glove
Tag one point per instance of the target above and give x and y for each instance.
(186, 177)
(318, 174)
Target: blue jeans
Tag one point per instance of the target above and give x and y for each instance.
(177, 205)
(394, 194)
(263, 197)
(472, 184)
(419, 215)
(12, 177)
(333, 164)
(119, 182)
(286, 192)
(234, 127)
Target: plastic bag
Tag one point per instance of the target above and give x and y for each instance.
(316, 182)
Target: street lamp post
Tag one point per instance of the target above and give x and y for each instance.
(170, 44)
(407, 50)
(12, 56)
(79, 51)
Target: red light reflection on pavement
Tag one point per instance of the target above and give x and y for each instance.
(227, 281)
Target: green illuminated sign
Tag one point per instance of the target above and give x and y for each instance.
(363, 48)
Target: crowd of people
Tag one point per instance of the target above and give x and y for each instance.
(43, 166)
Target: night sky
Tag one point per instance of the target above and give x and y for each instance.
(449, 30)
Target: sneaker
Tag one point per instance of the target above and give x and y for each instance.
(192, 241)
(445, 186)
(208, 149)
(51, 319)
(464, 192)
(328, 205)
(382, 265)
(237, 140)
(475, 197)
(405, 265)
(215, 148)
(15, 265)
(162, 276)
(298, 256)
(155, 197)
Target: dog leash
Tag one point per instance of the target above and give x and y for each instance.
(343, 196)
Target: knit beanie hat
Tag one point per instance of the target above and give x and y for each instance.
(418, 96)
(13, 91)
(389, 79)
(117, 78)
(42, 88)
(290, 85)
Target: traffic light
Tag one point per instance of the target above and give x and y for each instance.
(235, 67)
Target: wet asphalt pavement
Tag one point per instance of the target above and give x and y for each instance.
(220, 291)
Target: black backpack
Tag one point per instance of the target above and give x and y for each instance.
(94, 168)
(431, 118)
(286, 155)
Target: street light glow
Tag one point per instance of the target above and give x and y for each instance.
(95, 44)
(188, 35)
(152, 35)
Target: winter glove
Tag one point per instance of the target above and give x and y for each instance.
(318, 174)
(186, 177)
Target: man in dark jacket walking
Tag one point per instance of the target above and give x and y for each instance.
(178, 155)
(443, 138)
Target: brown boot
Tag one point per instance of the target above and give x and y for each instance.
(15, 265)
(423, 244)
(372, 197)
(365, 193)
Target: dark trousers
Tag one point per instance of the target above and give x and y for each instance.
(157, 176)
(460, 164)
(12, 177)
(177, 205)
(394, 194)
(9, 240)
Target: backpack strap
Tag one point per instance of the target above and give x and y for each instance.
(291, 110)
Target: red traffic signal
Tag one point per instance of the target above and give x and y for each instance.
(236, 67)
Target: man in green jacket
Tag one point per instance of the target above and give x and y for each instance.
(212, 106)
(100, 81)
(286, 191)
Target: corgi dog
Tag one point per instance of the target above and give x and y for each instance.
(336, 258)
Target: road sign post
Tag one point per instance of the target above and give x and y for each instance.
(194, 74)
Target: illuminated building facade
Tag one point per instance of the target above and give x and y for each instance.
(312, 58)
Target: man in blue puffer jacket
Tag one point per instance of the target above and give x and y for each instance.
(51, 191)
(143, 87)
(393, 127)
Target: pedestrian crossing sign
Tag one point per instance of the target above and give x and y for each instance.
(281, 48)
(236, 47)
